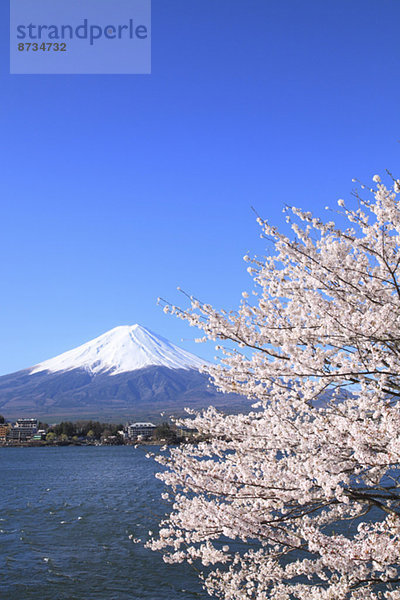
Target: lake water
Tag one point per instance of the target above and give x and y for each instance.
(66, 514)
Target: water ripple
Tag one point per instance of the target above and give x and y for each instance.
(66, 517)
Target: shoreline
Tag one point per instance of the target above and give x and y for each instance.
(63, 444)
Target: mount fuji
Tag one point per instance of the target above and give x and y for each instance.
(128, 372)
(120, 350)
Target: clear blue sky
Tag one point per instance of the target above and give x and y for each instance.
(117, 189)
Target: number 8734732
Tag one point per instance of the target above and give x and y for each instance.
(43, 47)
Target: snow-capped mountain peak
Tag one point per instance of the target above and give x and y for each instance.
(120, 350)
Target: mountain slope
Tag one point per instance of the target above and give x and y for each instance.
(120, 350)
(128, 372)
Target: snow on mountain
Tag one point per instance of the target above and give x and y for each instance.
(120, 350)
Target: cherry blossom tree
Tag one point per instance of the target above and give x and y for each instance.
(300, 498)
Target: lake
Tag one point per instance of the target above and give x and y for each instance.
(66, 514)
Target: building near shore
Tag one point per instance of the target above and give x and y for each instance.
(142, 430)
(39, 435)
(4, 429)
(23, 430)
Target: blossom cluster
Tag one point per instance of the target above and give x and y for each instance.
(299, 498)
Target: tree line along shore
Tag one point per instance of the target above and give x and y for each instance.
(31, 432)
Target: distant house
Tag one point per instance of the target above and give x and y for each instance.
(3, 432)
(187, 431)
(144, 430)
(39, 435)
(23, 430)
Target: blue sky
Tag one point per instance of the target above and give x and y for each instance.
(116, 189)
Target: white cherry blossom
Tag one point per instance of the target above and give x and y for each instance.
(300, 498)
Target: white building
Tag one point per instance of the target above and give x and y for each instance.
(145, 430)
(23, 429)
